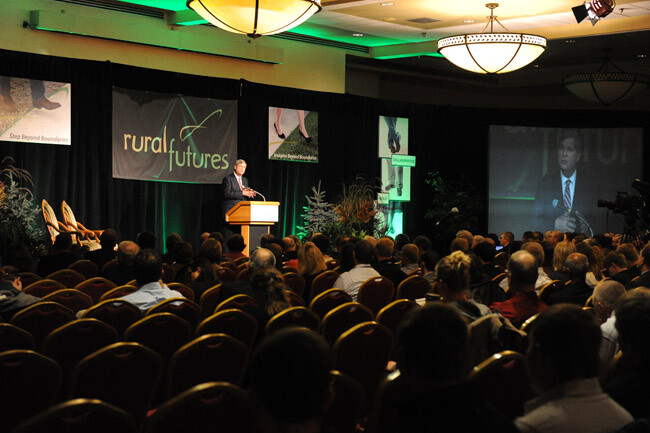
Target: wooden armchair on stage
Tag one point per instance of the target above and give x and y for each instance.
(71, 221)
(255, 218)
(54, 226)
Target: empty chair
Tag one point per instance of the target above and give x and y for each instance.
(182, 289)
(226, 274)
(123, 374)
(209, 406)
(70, 343)
(54, 226)
(362, 353)
(71, 298)
(43, 287)
(118, 313)
(13, 337)
(294, 299)
(86, 268)
(233, 322)
(295, 282)
(183, 308)
(296, 316)
(208, 358)
(118, 292)
(164, 333)
(342, 318)
(30, 382)
(375, 293)
(413, 287)
(392, 314)
(328, 300)
(67, 277)
(42, 318)
(345, 410)
(209, 300)
(323, 281)
(95, 287)
(78, 416)
(503, 382)
(28, 278)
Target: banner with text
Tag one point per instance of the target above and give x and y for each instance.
(172, 138)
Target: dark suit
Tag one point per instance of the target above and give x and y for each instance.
(550, 188)
(232, 194)
(642, 281)
(575, 293)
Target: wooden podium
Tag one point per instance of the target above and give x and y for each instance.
(255, 218)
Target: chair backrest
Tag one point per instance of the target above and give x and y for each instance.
(28, 278)
(392, 314)
(118, 313)
(549, 288)
(497, 278)
(30, 383)
(183, 308)
(590, 301)
(501, 259)
(233, 322)
(362, 353)
(226, 274)
(413, 287)
(118, 292)
(209, 300)
(417, 271)
(328, 300)
(230, 265)
(241, 266)
(238, 261)
(67, 277)
(207, 406)
(292, 317)
(108, 265)
(294, 299)
(42, 318)
(123, 374)
(526, 326)
(68, 215)
(164, 333)
(43, 287)
(86, 268)
(51, 221)
(295, 282)
(183, 289)
(503, 381)
(342, 318)
(344, 412)
(375, 293)
(208, 358)
(243, 274)
(95, 287)
(80, 415)
(15, 338)
(241, 302)
(71, 298)
(70, 343)
(323, 281)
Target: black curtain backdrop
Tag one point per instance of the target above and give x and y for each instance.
(450, 140)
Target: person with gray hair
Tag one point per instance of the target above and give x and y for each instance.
(522, 276)
(122, 273)
(260, 259)
(577, 291)
(537, 251)
(606, 293)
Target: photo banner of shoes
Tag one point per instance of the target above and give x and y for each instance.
(293, 135)
(393, 140)
(35, 111)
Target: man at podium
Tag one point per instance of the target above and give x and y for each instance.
(235, 189)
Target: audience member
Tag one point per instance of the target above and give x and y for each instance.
(538, 252)
(60, 258)
(644, 278)
(563, 364)
(103, 255)
(577, 291)
(631, 257)
(429, 260)
(170, 242)
(528, 236)
(594, 274)
(259, 259)
(410, 258)
(210, 249)
(400, 240)
(199, 276)
(351, 280)
(122, 273)
(605, 295)
(289, 249)
(322, 242)
(423, 243)
(554, 237)
(467, 235)
(560, 270)
(12, 298)
(616, 266)
(146, 240)
(218, 236)
(459, 244)
(539, 237)
(310, 264)
(485, 251)
(522, 276)
(236, 246)
(147, 268)
(384, 264)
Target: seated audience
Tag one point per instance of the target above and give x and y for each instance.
(577, 291)
(259, 259)
(630, 387)
(522, 276)
(146, 240)
(122, 273)
(385, 264)
(12, 298)
(644, 278)
(170, 242)
(467, 235)
(310, 264)
(554, 237)
(60, 258)
(563, 364)
(594, 274)
(290, 381)
(605, 295)
(289, 249)
(631, 257)
(538, 252)
(429, 260)
(400, 240)
(560, 270)
(539, 237)
(199, 276)
(507, 240)
(616, 266)
(423, 243)
(453, 285)
(103, 255)
(485, 251)
(210, 249)
(236, 246)
(459, 244)
(351, 280)
(183, 254)
(147, 268)
(322, 242)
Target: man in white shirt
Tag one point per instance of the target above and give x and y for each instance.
(147, 269)
(350, 281)
(606, 293)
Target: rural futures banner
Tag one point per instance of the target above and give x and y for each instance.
(172, 138)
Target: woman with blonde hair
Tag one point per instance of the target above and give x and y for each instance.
(560, 253)
(453, 285)
(311, 262)
(594, 275)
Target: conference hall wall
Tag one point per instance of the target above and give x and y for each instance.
(450, 140)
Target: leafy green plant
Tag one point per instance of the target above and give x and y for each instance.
(458, 192)
(19, 216)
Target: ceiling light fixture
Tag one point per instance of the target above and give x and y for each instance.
(606, 86)
(492, 53)
(255, 17)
